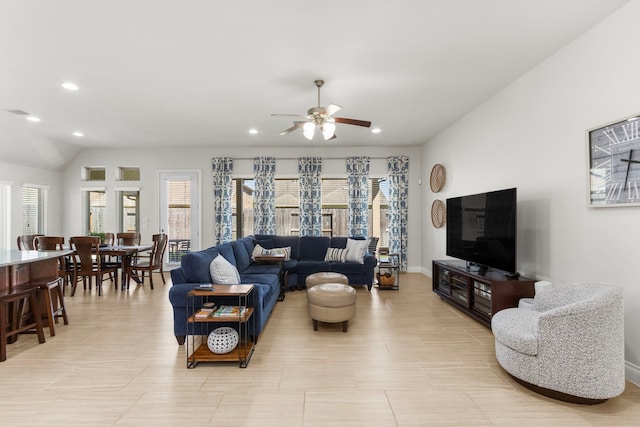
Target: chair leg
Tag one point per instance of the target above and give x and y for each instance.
(35, 309)
(50, 311)
(62, 310)
(151, 279)
(162, 275)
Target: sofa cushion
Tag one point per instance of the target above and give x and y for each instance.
(195, 265)
(259, 268)
(243, 258)
(310, 267)
(338, 242)
(257, 250)
(226, 250)
(223, 272)
(264, 243)
(356, 249)
(347, 267)
(313, 248)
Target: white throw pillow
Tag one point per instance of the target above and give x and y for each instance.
(223, 272)
(336, 255)
(356, 250)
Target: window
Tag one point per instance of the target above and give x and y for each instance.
(179, 213)
(96, 209)
(34, 209)
(94, 174)
(242, 200)
(5, 208)
(129, 210)
(334, 208)
(128, 174)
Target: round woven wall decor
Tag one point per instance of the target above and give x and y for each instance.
(438, 213)
(438, 177)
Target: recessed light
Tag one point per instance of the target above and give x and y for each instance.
(33, 119)
(70, 86)
(78, 134)
(376, 130)
(253, 131)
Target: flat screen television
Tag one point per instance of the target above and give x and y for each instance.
(481, 229)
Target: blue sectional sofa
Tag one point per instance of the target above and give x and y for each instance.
(307, 257)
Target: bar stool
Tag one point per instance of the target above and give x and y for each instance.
(53, 291)
(11, 318)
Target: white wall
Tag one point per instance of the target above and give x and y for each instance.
(532, 136)
(19, 175)
(151, 161)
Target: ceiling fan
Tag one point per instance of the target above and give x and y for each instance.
(320, 118)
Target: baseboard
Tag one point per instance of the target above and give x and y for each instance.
(632, 373)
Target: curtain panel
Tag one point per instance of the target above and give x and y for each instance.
(264, 195)
(309, 170)
(398, 168)
(358, 196)
(222, 168)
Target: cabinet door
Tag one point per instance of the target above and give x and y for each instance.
(460, 288)
(443, 280)
(481, 303)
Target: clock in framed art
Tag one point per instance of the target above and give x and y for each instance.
(614, 163)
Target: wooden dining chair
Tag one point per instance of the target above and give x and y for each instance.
(128, 238)
(25, 241)
(87, 263)
(153, 262)
(55, 243)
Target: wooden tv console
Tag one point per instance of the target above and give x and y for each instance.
(480, 294)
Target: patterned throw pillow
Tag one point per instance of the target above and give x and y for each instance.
(336, 255)
(258, 250)
(277, 251)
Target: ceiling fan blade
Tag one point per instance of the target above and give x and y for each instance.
(290, 115)
(332, 109)
(346, 121)
(296, 125)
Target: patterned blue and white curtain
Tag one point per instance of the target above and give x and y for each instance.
(309, 170)
(358, 196)
(264, 195)
(398, 206)
(222, 208)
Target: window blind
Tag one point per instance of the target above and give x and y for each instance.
(34, 209)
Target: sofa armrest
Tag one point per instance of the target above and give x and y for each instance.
(177, 276)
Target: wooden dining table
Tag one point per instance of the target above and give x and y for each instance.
(126, 254)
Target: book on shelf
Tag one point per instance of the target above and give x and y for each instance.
(230, 311)
(203, 313)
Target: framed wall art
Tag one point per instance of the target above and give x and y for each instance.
(614, 163)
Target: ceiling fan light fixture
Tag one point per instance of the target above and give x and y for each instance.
(328, 130)
(308, 130)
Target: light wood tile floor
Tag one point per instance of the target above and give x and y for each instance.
(408, 360)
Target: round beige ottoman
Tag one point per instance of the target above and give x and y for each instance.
(331, 303)
(325, 277)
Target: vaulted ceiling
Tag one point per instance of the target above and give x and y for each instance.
(203, 73)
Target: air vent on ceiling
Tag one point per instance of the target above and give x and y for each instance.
(18, 112)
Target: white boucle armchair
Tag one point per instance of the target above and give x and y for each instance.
(569, 346)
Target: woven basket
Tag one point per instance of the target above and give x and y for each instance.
(387, 279)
